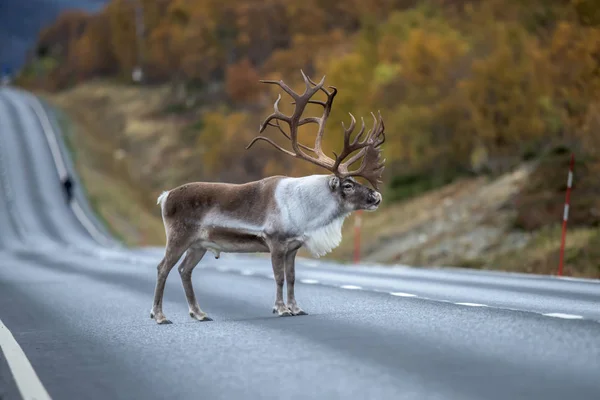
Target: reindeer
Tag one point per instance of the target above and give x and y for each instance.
(277, 214)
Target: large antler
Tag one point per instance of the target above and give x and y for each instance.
(371, 168)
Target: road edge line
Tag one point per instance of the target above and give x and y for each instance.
(28, 382)
(60, 164)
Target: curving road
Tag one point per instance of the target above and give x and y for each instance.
(77, 303)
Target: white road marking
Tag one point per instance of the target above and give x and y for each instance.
(87, 223)
(401, 294)
(564, 316)
(311, 263)
(27, 381)
(351, 287)
(471, 304)
(52, 140)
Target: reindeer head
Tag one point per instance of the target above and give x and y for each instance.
(351, 194)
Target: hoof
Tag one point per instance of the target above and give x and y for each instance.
(201, 319)
(286, 313)
(151, 315)
(301, 312)
(164, 322)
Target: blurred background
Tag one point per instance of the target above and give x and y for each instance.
(484, 102)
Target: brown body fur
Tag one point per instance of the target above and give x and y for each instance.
(184, 211)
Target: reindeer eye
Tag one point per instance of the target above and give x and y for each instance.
(348, 185)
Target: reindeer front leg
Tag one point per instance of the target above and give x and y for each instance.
(290, 278)
(278, 255)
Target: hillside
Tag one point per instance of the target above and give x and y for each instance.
(125, 142)
(483, 102)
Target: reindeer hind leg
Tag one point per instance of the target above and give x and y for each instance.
(174, 251)
(192, 258)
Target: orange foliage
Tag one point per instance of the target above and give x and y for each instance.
(241, 81)
(456, 81)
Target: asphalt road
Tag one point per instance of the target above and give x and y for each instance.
(78, 305)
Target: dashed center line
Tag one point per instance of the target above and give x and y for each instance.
(312, 264)
(471, 304)
(564, 316)
(402, 294)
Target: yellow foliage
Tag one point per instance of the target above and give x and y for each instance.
(574, 58)
(459, 84)
(220, 140)
(503, 95)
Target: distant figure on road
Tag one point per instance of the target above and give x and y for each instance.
(68, 186)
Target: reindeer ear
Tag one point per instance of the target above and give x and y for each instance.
(334, 182)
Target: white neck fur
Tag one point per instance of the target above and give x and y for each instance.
(309, 209)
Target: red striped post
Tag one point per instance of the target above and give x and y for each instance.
(357, 225)
(566, 216)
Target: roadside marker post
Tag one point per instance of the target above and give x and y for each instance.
(357, 226)
(566, 216)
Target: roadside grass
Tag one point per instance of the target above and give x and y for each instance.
(541, 255)
(116, 200)
(66, 128)
(398, 218)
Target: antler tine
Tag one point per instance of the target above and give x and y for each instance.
(304, 99)
(284, 133)
(326, 110)
(308, 81)
(319, 102)
(359, 134)
(377, 133)
(344, 166)
(371, 168)
(351, 147)
(276, 115)
(381, 129)
(323, 89)
(282, 85)
(350, 128)
(266, 139)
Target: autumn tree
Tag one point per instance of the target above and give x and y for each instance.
(462, 85)
(93, 54)
(121, 14)
(242, 81)
(574, 62)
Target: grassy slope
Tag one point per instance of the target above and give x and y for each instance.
(469, 223)
(93, 135)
